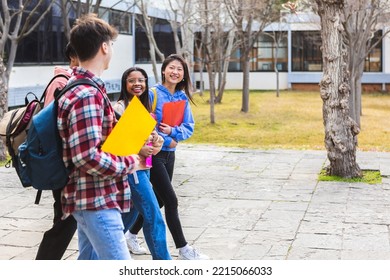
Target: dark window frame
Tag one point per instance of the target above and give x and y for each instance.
(307, 55)
(306, 51)
(163, 34)
(46, 44)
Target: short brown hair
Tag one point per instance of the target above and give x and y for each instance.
(87, 35)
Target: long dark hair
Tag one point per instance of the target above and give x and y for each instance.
(185, 84)
(126, 96)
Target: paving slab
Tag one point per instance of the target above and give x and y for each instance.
(241, 204)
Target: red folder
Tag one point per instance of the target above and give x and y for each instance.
(173, 112)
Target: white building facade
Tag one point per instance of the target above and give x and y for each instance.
(299, 58)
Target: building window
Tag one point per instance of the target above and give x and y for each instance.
(46, 44)
(307, 55)
(163, 35)
(121, 20)
(306, 51)
(263, 54)
(373, 62)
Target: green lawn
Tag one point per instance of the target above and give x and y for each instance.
(291, 121)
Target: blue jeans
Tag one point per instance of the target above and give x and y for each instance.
(100, 235)
(145, 203)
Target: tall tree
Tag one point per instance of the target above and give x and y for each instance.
(17, 20)
(181, 16)
(227, 44)
(78, 8)
(208, 45)
(147, 23)
(280, 35)
(362, 19)
(215, 42)
(250, 17)
(340, 129)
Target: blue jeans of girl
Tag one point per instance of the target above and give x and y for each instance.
(145, 204)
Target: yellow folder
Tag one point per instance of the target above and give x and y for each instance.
(131, 132)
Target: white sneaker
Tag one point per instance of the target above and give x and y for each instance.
(133, 245)
(191, 254)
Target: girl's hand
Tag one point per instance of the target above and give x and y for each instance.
(146, 151)
(173, 144)
(154, 136)
(165, 128)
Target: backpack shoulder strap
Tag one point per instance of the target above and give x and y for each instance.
(26, 100)
(9, 129)
(73, 84)
(154, 99)
(119, 108)
(51, 81)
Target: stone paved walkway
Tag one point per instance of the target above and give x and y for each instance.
(238, 204)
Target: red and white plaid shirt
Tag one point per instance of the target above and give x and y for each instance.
(98, 180)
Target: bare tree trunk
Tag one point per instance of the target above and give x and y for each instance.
(22, 25)
(77, 6)
(277, 37)
(153, 48)
(219, 65)
(5, 72)
(356, 68)
(362, 19)
(276, 67)
(175, 31)
(211, 72)
(340, 129)
(358, 94)
(3, 103)
(245, 85)
(226, 59)
(352, 98)
(206, 41)
(359, 107)
(199, 49)
(250, 17)
(65, 18)
(356, 97)
(152, 54)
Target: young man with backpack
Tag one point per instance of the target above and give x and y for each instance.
(55, 241)
(97, 191)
